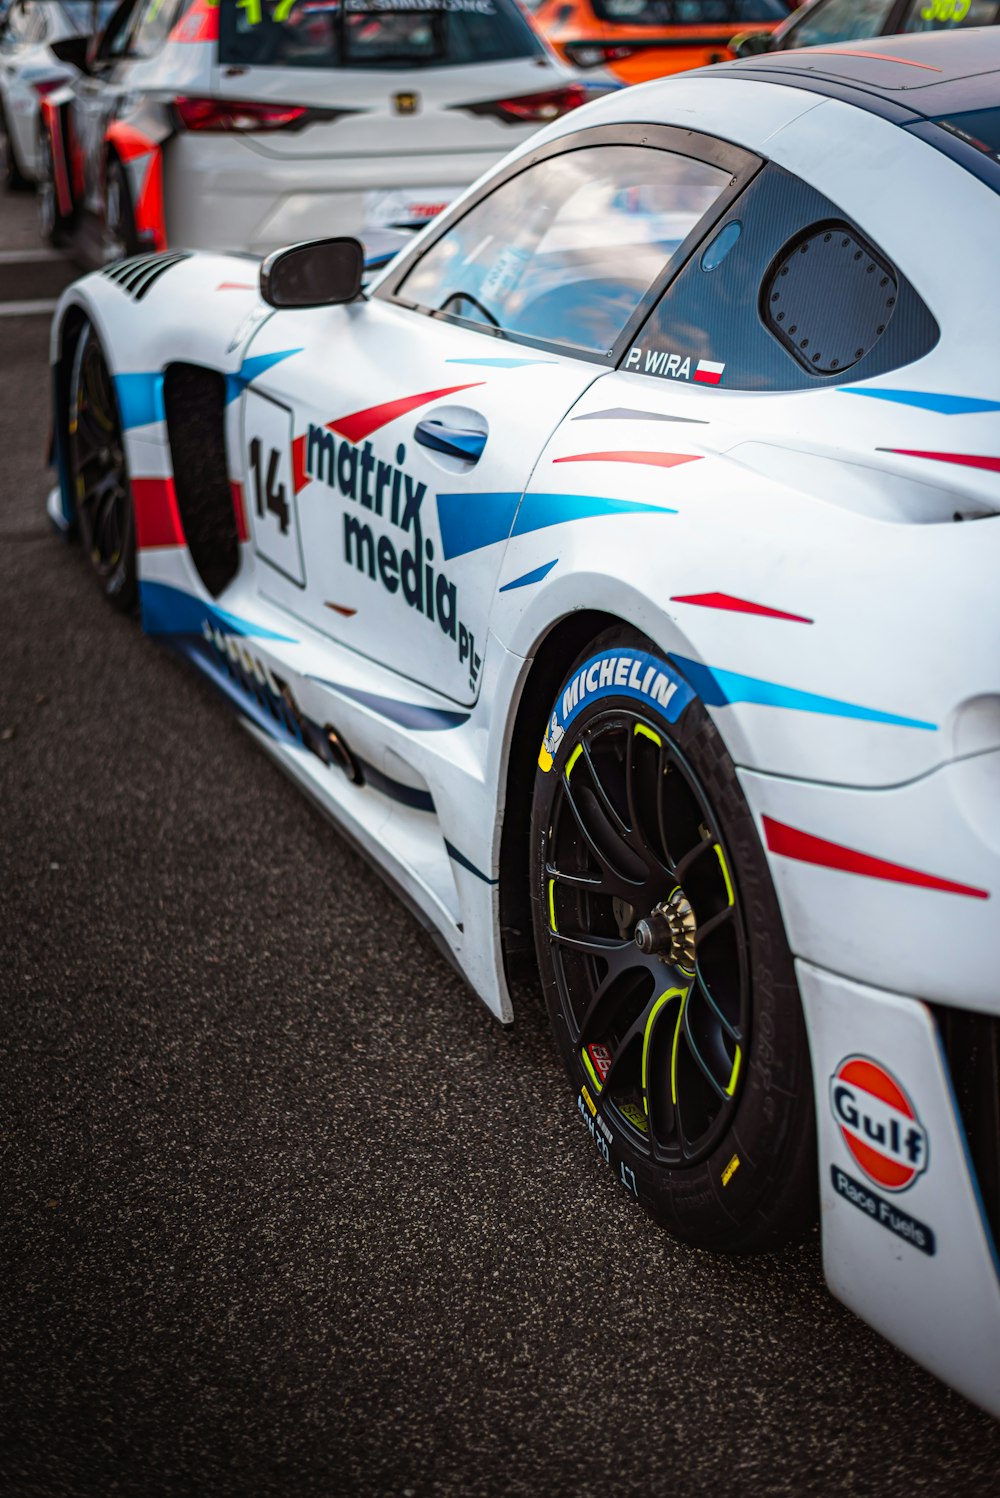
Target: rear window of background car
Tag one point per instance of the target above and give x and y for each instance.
(724, 304)
(688, 12)
(839, 21)
(565, 251)
(373, 33)
(947, 15)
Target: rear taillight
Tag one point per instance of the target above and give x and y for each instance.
(534, 109)
(232, 114)
(595, 54)
(45, 86)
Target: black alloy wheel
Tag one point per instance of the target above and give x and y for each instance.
(53, 226)
(667, 974)
(99, 474)
(121, 237)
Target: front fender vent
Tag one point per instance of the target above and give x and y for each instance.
(194, 399)
(141, 272)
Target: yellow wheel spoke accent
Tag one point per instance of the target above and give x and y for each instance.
(573, 759)
(735, 1073)
(552, 906)
(725, 874)
(673, 1048)
(665, 998)
(647, 733)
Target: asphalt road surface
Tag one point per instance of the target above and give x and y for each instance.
(284, 1211)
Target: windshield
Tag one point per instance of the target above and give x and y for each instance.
(81, 14)
(374, 33)
(689, 12)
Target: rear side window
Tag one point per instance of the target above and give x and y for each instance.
(565, 251)
(688, 12)
(794, 297)
(839, 21)
(392, 34)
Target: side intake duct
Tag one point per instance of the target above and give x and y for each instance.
(195, 403)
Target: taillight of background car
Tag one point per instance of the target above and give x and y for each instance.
(536, 108)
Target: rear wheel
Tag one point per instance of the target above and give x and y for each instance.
(667, 974)
(99, 474)
(120, 235)
(52, 225)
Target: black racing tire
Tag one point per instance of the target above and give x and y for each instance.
(689, 1060)
(98, 474)
(54, 227)
(13, 178)
(121, 238)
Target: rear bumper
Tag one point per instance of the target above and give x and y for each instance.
(918, 1262)
(219, 195)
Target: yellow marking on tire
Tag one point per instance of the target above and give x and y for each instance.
(725, 874)
(552, 906)
(734, 1074)
(647, 733)
(544, 759)
(589, 1101)
(730, 1170)
(598, 1084)
(573, 759)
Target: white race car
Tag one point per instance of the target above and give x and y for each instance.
(30, 71)
(619, 572)
(246, 124)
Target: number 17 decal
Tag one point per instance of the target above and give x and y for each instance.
(274, 520)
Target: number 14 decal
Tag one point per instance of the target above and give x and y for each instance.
(274, 491)
(273, 513)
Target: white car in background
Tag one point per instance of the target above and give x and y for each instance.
(29, 72)
(210, 124)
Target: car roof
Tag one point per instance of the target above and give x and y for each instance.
(926, 74)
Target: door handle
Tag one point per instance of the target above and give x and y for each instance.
(457, 442)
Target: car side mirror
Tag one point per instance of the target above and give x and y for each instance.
(74, 50)
(317, 273)
(751, 43)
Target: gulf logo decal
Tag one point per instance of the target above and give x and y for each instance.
(878, 1123)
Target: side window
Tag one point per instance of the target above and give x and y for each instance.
(786, 295)
(152, 27)
(565, 251)
(840, 21)
(948, 15)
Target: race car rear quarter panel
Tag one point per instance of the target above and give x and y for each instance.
(802, 621)
(905, 1242)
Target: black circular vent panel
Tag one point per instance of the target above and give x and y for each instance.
(828, 298)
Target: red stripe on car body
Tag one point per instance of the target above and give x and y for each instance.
(654, 460)
(965, 460)
(239, 510)
(790, 842)
(737, 606)
(157, 518)
(358, 425)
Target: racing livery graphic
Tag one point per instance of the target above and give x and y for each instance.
(616, 567)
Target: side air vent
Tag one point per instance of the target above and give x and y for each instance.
(972, 1047)
(138, 274)
(828, 298)
(195, 402)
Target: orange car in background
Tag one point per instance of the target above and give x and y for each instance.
(640, 39)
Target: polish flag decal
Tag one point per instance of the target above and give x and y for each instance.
(707, 373)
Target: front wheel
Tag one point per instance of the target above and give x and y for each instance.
(668, 978)
(99, 474)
